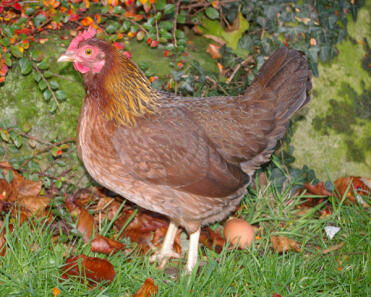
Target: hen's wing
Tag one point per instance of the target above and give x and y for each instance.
(170, 149)
(245, 129)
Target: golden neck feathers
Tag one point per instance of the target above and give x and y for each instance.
(121, 90)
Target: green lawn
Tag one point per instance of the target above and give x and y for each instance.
(31, 266)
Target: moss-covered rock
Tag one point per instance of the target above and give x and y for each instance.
(334, 138)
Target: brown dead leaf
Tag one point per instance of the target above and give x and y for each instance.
(318, 189)
(29, 188)
(358, 186)
(282, 244)
(3, 240)
(141, 229)
(276, 295)
(105, 245)
(92, 268)
(2, 245)
(213, 50)
(212, 240)
(85, 224)
(149, 289)
(34, 204)
(99, 243)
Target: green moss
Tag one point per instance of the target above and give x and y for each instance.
(22, 102)
(334, 139)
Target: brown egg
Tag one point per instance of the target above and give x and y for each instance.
(237, 230)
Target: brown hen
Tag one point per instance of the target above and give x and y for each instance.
(190, 159)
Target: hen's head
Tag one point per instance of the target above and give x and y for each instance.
(86, 52)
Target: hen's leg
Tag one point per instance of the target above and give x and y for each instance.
(192, 251)
(167, 251)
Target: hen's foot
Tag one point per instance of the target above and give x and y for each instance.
(162, 257)
(166, 251)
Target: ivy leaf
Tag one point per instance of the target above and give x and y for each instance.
(39, 19)
(61, 95)
(112, 28)
(44, 64)
(25, 65)
(231, 38)
(169, 8)
(16, 52)
(160, 4)
(118, 9)
(212, 13)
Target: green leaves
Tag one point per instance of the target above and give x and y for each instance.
(25, 65)
(39, 19)
(212, 13)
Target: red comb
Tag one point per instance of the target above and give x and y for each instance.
(82, 36)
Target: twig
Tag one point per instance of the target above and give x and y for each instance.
(28, 136)
(45, 80)
(216, 84)
(206, 4)
(48, 148)
(175, 22)
(333, 248)
(235, 70)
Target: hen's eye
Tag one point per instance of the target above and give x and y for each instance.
(88, 51)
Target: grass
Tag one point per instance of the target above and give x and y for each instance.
(31, 266)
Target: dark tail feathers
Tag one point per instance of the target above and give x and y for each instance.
(286, 73)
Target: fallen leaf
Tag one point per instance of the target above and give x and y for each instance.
(318, 189)
(105, 245)
(212, 240)
(276, 295)
(282, 244)
(213, 50)
(148, 289)
(356, 187)
(34, 204)
(86, 226)
(92, 268)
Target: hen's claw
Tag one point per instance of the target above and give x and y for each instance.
(166, 251)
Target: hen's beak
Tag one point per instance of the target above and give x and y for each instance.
(67, 57)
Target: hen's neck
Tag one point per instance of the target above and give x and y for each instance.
(121, 90)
